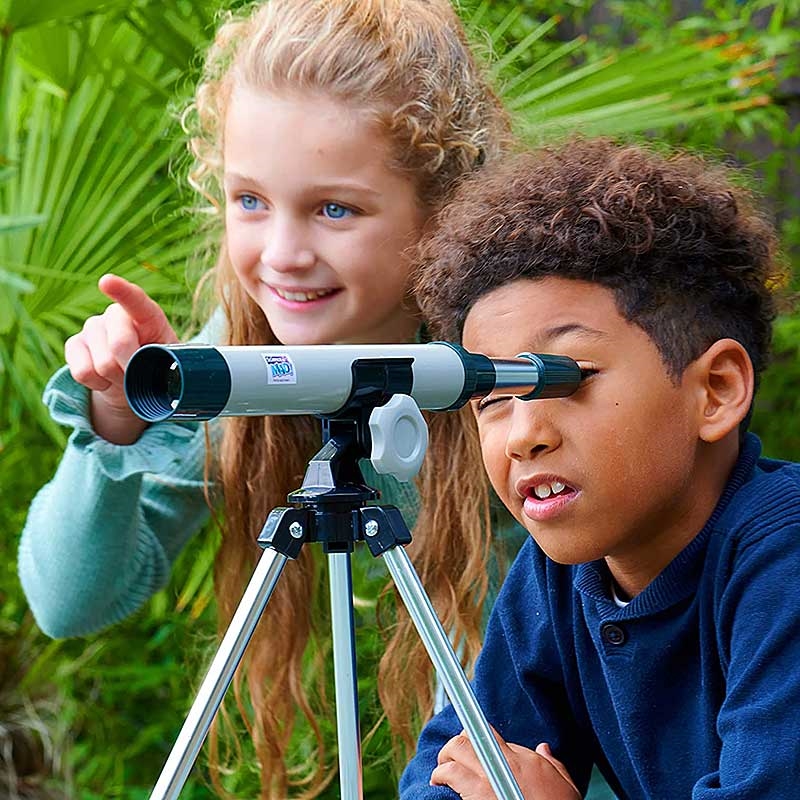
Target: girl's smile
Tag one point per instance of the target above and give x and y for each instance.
(297, 298)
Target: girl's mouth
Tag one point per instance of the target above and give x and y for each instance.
(302, 297)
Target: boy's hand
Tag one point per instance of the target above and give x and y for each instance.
(540, 775)
(98, 355)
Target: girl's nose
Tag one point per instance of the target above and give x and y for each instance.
(532, 429)
(287, 247)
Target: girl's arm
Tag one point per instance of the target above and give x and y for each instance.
(101, 536)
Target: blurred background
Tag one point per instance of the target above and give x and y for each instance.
(92, 180)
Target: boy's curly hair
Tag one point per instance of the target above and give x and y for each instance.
(687, 255)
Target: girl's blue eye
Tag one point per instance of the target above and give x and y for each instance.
(336, 211)
(249, 202)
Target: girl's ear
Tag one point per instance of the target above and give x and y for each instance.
(725, 383)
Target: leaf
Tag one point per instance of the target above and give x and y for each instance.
(86, 196)
(554, 86)
(14, 282)
(24, 13)
(9, 224)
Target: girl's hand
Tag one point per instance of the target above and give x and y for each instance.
(97, 356)
(540, 775)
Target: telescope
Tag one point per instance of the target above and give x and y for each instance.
(369, 399)
(200, 382)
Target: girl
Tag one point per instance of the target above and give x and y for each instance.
(326, 134)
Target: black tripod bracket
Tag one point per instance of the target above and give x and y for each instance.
(383, 527)
(288, 529)
(285, 530)
(333, 500)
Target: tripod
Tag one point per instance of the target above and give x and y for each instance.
(334, 509)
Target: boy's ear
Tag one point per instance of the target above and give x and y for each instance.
(725, 381)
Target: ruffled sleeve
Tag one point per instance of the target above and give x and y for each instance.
(101, 536)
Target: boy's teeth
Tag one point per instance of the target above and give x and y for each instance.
(544, 490)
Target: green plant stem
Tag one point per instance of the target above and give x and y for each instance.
(5, 50)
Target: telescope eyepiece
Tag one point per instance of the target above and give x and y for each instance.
(559, 376)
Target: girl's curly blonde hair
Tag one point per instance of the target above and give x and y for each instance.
(407, 64)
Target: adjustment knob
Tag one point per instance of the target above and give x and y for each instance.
(399, 438)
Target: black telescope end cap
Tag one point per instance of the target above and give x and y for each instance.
(153, 383)
(181, 382)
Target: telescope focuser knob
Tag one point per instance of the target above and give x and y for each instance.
(399, 438)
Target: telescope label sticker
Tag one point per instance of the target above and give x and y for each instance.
(280, 369)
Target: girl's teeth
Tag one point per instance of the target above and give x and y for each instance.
(557, 487)
(303, 297)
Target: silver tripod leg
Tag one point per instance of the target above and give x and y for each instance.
(209, 697)
(345, 677)
(450, 673)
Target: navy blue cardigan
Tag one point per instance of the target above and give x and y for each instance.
(690, 691)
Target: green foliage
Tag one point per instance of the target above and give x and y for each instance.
(88, 144)
(777, 413)
(672, 78)
(87, 181)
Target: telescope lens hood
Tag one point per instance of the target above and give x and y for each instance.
(178, 382)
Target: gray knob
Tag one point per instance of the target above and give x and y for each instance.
(399, 438)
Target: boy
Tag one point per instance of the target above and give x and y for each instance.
(651, 625)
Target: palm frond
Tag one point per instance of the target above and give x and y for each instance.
(21, 14)
(556, 87)
(87, 191)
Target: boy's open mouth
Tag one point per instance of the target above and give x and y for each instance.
(544, 498)
(544, 489)
(547, 489)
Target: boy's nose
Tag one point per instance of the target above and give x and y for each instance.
(286, 248)
(532, 430)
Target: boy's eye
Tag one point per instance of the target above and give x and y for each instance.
(249, 202)
(492, 399)
(336, 211)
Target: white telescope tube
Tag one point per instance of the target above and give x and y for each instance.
(202, 381)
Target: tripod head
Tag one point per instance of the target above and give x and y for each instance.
(392, 434)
